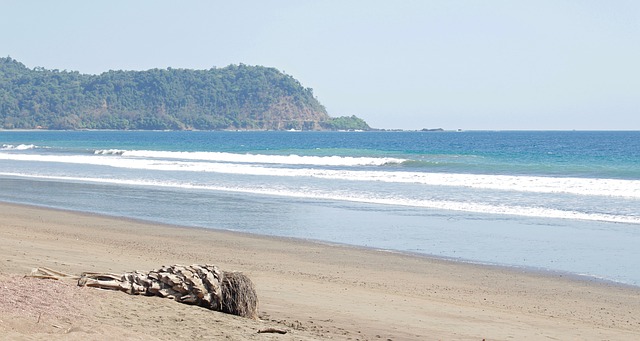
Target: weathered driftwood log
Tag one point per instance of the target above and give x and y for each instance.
(46, 273)
(202, 285)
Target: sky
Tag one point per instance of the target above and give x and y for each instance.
(451, 64)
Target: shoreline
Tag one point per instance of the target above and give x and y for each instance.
(517, 268)
(315, 290)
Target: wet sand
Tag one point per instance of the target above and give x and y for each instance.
(311, 290)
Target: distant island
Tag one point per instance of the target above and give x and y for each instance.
(236, 97)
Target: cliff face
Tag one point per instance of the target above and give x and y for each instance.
(234, 97)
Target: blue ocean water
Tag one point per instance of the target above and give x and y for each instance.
(558, 201)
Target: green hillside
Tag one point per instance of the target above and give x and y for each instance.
(233, 97)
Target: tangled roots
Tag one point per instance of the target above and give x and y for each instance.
(238, 295)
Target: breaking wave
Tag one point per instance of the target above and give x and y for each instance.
(18, 147)
(540, 212)
(253, 158)
(537, 184)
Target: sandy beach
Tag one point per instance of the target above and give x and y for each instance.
(311, 290)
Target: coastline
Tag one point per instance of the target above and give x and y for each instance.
(314, 290)
(517, 268)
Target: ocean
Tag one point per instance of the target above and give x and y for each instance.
(560, 201)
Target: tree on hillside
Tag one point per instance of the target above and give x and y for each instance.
(234, 97)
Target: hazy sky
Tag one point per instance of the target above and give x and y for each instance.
(397, 64)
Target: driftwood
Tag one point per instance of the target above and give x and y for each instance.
(46, 273)
(202, 285)
(272, 330)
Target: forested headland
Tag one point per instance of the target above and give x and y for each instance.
(233, 97)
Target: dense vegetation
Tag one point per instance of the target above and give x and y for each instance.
(233, 97)
(346, 123)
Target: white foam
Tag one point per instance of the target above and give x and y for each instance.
(255, 158)
(109, 152)
(538, 212)
(18, 147)
(535, 184)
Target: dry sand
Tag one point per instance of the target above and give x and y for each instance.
(311, 290)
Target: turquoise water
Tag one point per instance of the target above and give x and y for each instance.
(558, 201)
